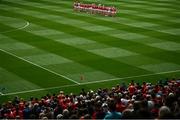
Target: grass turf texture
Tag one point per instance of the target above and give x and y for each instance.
(59, 45)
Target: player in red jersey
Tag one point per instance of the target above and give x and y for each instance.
(113, 11)
(95, 9)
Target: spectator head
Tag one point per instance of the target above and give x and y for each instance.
(105, 107)
(61, 92)
(130, 106)
(150, 105)
(41, 115)
(87, 116)
(65, 114)
(127, 114)
(59, 116)
(112, 105)
(164, 113)
(137, 105)
(44, 118)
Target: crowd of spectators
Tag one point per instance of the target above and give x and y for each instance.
(146, 101)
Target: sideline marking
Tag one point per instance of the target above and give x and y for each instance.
(145, 75)
(39, 66)
(16, 29)
(86, 83)
(35, 90)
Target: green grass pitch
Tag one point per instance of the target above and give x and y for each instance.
(45, 46)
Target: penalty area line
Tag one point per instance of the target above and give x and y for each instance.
(9, 53)
(16, 29)
(86, 83)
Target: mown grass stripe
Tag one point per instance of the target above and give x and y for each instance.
(30, 72)
(13, 83)
(171, 4)
(93, 82)
(121, 5)
(39, 66)
(144, 31)
(134, 16)
(75, 54)
(128, 46)
(119, 2)
(103, 38)
(70, 8)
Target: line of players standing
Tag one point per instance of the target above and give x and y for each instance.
(95, 9)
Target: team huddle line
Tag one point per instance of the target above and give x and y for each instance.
(95, 9)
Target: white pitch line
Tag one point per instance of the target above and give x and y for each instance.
(145, 75)
(20, 28)
(41, 89)
(86, 83)
(39, 66)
